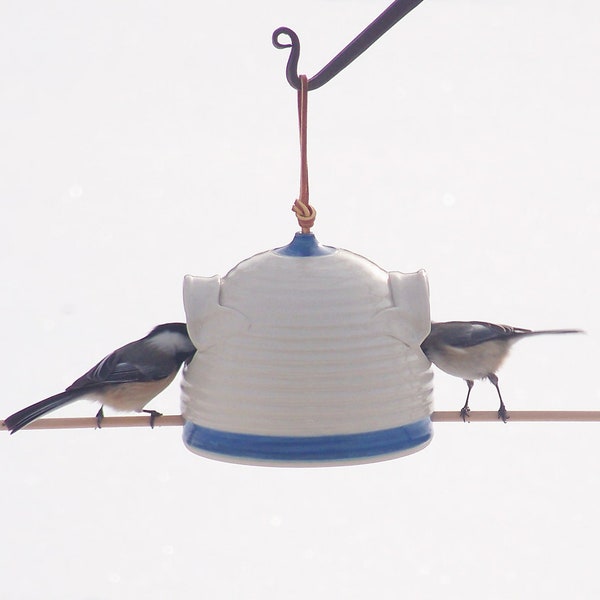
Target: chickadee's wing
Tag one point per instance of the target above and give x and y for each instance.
(464, 334)
(122, 367)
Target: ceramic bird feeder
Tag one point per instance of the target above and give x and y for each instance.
(309, 355)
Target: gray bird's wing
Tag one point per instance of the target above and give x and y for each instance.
(124, 366)
(463, 334)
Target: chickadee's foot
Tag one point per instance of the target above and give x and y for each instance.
(503, 413)
(100, 417)
(153, 414)
(464, 413)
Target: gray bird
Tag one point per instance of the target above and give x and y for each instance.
(475, 350)
(125, 380)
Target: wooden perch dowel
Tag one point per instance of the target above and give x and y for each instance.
(107, 422)
(530, 416)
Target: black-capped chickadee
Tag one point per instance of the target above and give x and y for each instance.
(125, 380)
(475, 350)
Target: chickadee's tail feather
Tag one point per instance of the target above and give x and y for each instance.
(24, 416)
(547, 331)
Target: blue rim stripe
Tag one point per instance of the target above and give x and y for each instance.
(307, 448)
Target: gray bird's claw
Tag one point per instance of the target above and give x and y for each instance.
(464, 413)
(100, 417)
(153, 414)
(503, 414)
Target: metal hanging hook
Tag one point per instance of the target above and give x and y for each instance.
(386, 20)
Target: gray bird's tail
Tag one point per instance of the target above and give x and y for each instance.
(548, 331)
(24, 416)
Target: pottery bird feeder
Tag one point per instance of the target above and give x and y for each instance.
(309, 355)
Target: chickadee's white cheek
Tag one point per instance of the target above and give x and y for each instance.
(169, 341)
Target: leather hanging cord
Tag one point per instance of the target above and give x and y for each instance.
(305, 213)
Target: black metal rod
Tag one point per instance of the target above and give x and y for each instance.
(385, 21)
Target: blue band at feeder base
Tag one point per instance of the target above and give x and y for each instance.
(287, 449)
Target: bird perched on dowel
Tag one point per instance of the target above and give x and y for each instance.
(125, 380)
(475, 350)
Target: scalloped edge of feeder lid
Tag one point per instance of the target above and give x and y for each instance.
(304, 244)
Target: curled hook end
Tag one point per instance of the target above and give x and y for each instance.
(284, 31)
(291, 70)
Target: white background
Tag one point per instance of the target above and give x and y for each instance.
(140, 141)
